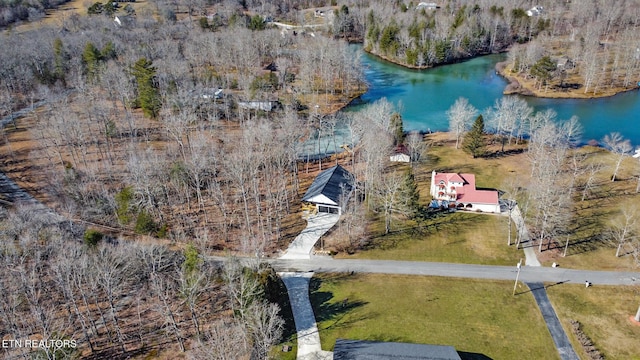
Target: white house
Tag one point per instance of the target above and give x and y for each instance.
(264, 105)
(123, 20)
(427, 6)
(535, 11)
(400, 154)
(330, 190)
(459, 190)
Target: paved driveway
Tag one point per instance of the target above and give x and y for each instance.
(302, 245)
(553, 324)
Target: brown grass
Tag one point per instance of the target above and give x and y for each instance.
(603, 312)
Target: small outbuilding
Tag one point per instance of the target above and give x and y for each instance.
(427, 6)
(376, 350)
(400, 154)
(330, 190)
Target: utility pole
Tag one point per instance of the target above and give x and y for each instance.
(510, 204)
(519, 266)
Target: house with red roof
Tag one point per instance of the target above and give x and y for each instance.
(459, 191)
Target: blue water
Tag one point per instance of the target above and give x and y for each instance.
(424, 96)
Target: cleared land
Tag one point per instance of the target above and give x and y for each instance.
(460, 238)
(603, 312)
(476, 317)
(482, 238)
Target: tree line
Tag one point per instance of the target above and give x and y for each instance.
(12, 12)
(420, 37)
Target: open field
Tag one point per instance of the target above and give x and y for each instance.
(476, 317)
(603, 312)
(460, 238)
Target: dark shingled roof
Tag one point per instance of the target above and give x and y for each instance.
(373, 350)
(330, 183)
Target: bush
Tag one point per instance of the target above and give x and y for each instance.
(163, 231)
(123, 202)
(92, 237)
(145, 223)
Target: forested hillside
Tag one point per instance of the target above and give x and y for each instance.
(16, 11)
(551, 43)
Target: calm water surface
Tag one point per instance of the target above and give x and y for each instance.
(424, 96)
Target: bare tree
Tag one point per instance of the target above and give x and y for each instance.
(508, 116)
(417, 146)
(550, 192)
(225, 340)
(265, 325)
(623, 227)
(242, 289)
(619, 147)
(461, 115)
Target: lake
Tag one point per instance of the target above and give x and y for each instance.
(424, 96)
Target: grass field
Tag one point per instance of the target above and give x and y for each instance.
(451, 237)
(476, 317)
(603, 312)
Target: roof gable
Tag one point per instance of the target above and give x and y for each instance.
(331, 183)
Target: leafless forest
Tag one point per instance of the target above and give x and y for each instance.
(552, 42)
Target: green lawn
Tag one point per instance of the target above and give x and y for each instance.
(604, 313)
(451, 237)
(476, 317)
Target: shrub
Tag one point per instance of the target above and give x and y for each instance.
(145, 223)
(92, 237)
(123, 203)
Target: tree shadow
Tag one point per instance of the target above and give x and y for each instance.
(586, 244)
(503, 154)
(327, 307)
(275, 291)
(472, 356)
(543, 287)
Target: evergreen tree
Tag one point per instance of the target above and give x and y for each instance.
(108, 52)
(60, 58)
(192, 260)
(148, 95)
(409, 195)
(473, 142)
(543, 69)
(90, 59)
(396, 128)
(257, 23)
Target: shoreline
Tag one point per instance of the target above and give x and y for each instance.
(414, 67)
(516, 87)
